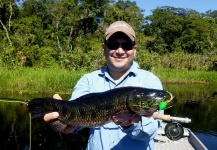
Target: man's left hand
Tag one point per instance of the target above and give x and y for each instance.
(125, 118)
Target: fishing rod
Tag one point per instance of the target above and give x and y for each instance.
(173, 130)
(171, 118)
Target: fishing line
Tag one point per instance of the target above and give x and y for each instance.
(11, 100)
(30, 131)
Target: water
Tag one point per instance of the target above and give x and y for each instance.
(198, 103)
(19, 131)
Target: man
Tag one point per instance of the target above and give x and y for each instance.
(121, 70)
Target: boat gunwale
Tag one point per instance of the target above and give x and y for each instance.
(195, 142)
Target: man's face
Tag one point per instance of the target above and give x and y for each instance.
(119, 53)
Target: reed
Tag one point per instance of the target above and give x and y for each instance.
(38, 80)
(58, 80)
(183, 76)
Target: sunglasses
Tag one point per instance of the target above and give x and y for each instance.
(115, 45)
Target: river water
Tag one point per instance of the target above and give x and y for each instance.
(19, 131)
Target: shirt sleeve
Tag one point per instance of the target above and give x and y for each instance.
(81, 88)
(151, 81)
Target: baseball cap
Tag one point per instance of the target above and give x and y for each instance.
(120, 26)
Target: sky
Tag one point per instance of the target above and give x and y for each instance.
(200, 6)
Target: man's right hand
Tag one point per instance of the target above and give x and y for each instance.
(54, 115)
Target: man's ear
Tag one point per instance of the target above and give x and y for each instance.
(103, 47)
(135, 47)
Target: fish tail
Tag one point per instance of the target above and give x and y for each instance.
(35, 107)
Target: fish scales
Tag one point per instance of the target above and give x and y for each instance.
(95, 109)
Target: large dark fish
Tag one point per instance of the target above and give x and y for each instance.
(95, 109)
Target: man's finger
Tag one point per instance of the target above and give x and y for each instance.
(68, 129)
(51, 116)
(57, 96)
(127, 123)
(136, 118)
(115, 120)
(123, 117)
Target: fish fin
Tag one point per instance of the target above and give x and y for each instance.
(35, 107)
(57, 125)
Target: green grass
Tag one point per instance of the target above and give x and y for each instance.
(57, 80)
(32, 80)
(182, 76)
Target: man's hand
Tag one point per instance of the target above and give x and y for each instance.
(54, 115)
(124, 118)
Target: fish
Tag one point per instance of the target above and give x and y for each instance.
(96, 109)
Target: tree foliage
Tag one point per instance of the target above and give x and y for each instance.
(175, 29)
(70, 33)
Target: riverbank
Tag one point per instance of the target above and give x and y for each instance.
(56, 80)
(182, 76)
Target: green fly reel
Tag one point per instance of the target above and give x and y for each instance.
(174, 131)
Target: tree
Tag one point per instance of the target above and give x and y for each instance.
(199, 36)
(164, 27)
(173, 29)
(8, 10)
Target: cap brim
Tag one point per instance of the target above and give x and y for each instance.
(108, 35)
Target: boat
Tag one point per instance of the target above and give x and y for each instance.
(172, 136)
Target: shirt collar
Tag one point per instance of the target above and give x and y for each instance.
(133, 70)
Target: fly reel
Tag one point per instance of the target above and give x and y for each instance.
(174, 131)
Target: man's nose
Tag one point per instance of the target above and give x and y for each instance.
(120, 49)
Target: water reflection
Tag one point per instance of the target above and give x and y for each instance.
(14, 126)
(198, 103)
(18, 131)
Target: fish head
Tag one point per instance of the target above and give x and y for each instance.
(147, 102)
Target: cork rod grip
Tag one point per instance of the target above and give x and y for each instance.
(162, 117)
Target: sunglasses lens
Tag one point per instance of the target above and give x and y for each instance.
(112, 45)
(127, 45)
(115, 45)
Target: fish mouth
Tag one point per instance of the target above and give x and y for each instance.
(147, 112)
(172, 102)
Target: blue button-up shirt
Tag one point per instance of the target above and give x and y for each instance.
(110, 136)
